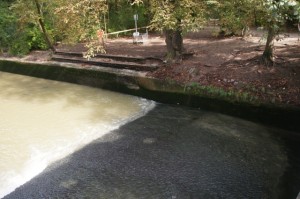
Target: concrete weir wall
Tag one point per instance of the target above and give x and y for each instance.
(157, 90)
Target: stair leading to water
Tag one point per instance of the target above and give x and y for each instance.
(105, 60)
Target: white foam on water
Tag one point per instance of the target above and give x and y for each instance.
(42, 121)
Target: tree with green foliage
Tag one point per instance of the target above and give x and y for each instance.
(14, 38)
(42, 25)
(237, 16)
(277, 12)
(33, 13)
(7, 25)
(68, 21)
(174, 17)
(79, 20)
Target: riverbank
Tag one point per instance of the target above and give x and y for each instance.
(223, 75)
(226, 66)
(139, 84)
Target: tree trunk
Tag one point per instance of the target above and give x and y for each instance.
(268, 55)
(42, 26)
(174, 44)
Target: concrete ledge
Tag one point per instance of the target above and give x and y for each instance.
(138, 84)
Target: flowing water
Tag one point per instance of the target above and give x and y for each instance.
(42, 121)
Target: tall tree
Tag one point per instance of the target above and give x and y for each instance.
(71, 21)
(42, 25)
(174, 17)
(272, 14)
(236, 16)
(7, 25)
(276, 14)
(80, 20)
(32, 12)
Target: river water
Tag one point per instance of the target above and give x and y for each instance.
(42, 121)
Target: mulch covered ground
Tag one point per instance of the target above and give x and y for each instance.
(231, 63)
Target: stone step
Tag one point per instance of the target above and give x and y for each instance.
(104, 63)
(136, 59)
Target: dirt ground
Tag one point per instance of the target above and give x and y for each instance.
(230, 63)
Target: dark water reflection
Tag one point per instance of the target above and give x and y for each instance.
(176, 152)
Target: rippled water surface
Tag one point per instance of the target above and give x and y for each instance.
(42, 121)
